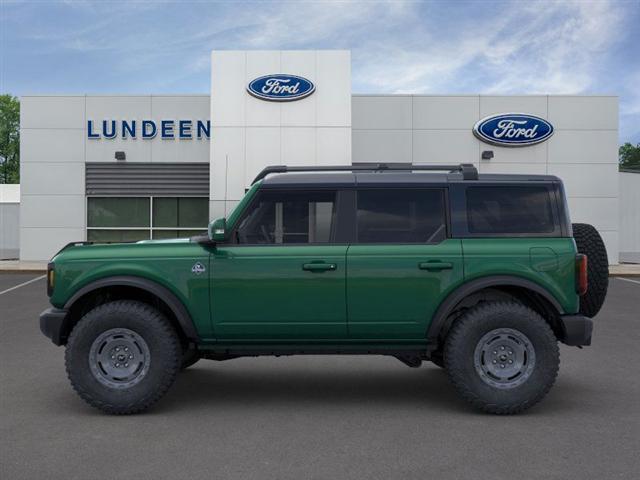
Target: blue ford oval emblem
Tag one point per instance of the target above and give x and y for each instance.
(281, 87)
(513, 129)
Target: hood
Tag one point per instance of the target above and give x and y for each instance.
(93, 250)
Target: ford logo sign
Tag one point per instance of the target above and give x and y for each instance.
(513, 129)
(281, 87)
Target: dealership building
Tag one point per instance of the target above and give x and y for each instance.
(130, 167)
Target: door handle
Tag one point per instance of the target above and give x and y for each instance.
(435, 266)
(319, 267)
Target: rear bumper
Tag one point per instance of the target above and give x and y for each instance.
(53, 324)
(577, 330)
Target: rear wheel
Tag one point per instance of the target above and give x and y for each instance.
(502, 357)
(589, 242)
(122, 357)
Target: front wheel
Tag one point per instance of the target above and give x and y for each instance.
(123, 356)
(502, 357)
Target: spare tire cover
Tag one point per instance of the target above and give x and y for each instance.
(589, 242)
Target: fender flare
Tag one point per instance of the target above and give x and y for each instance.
(469, 288)
(167, 296)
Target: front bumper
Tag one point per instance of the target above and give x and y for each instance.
(577, 330)
(53, 324)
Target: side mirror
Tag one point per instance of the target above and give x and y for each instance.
(218, 230)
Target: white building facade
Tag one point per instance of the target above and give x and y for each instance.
(630, 216)
(9, 221)
(127, 167)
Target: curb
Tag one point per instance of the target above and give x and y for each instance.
(17, 270)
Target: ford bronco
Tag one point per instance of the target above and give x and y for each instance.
(482, 275)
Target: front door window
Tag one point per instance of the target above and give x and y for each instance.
(289, 218)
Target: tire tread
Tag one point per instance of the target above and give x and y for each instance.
(589, 242)
(454, 346)
(168, 336)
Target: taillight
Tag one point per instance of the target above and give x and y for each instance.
(51, 278)
(582, 280)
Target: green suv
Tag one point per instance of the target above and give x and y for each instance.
(480, 274)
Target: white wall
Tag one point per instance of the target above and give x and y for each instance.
(630, 217)
(54, 148)
(248, 133)
(9, 221)
(9, 193)
(425, 129)
(52, 131)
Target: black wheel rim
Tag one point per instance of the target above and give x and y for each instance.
(119, 358)
(504, 358)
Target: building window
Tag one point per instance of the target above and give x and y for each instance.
(129, 219)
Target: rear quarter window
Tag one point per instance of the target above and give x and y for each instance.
(504, 210)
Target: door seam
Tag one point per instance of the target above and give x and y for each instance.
(464, 275)
(346, 296)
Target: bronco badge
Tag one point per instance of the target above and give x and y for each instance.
(198, 268)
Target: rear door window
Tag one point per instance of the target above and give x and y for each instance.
(389, 215)
(502, 210)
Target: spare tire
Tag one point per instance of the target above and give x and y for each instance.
(589, 242)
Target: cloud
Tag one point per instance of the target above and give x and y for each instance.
(399, 46)
(528, 49)
(567, 51)
(497, 47)
(631, 105)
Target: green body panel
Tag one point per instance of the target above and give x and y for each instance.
(389, 296)
(364, 294)
(548, 262)
(375, 294)
(262, 293)
(166, 263)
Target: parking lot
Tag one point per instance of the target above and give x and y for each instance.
(319, 417)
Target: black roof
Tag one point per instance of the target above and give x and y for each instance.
(385, 174)
(344, 179)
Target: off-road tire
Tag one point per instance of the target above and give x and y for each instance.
(468, 332)
(589, 242)
(165, 356)
(189, 357)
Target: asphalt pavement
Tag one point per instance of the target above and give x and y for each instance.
(335, 417)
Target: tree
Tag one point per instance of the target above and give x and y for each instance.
(9, 139)
(629, 156)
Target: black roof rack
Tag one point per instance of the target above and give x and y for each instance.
(468, 170)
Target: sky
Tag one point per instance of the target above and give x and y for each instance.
(436, 47)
